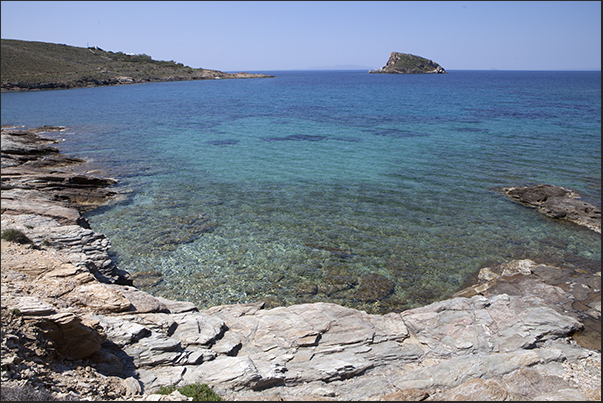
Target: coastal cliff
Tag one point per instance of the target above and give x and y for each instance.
(76, 328)
(28, 65)
(405, 63)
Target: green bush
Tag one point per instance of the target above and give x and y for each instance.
(14, 235)
(199, 393)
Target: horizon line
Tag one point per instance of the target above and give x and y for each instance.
(364, 69)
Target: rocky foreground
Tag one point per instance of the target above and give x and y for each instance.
(73, 324)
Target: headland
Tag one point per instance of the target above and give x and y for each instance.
(29, 65)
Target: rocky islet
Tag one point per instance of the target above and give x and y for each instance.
(405, 63)
(73, 323)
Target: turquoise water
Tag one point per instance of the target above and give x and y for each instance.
(373, 191)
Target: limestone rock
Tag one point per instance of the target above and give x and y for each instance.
(237, 372)
(72, 337)
(32, 306)
(155, 350)
(33, 168)
(177, 306)
(197, 328)
(99, 298)
(140, 301)
(476, 390)
(132, 386)
(82, 247)
(175, 396)
(121, 332)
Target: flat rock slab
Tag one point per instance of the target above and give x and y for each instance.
(557, 202)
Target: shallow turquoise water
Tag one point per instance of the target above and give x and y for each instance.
(319, 186)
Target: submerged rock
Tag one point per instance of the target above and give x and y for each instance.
(373, 287)
(557, 202)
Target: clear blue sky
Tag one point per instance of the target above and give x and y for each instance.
(296, 35)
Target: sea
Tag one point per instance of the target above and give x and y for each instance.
(378, 192)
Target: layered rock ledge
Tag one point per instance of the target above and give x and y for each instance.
(71, 327)
(37, 181)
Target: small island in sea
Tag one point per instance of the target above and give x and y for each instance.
(405, 63)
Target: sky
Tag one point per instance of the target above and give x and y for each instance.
(256, 36)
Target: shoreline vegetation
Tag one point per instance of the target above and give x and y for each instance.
(29, 65)
(74, 327)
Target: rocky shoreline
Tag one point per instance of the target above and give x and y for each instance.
(86, 82)
(74, 326)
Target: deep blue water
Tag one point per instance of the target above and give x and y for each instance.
(318, 185)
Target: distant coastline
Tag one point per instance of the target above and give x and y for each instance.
(28, 66)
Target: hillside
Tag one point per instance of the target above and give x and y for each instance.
(28, 65)
(405, 63)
